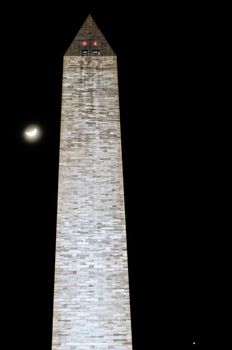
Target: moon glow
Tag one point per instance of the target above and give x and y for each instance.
(32, 133)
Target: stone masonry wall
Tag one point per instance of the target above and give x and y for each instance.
(91, 295)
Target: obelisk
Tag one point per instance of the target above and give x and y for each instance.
(91, 293)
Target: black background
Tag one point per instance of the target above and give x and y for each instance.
(169, 149)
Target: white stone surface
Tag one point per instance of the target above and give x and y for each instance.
(91, 293)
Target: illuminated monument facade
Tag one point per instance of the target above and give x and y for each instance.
(91, 292)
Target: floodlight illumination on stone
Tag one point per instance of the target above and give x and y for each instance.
(32, 133)
(91, 308)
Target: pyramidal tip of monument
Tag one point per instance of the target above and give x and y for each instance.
(89, 41)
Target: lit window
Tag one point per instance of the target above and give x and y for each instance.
(96, 52)
(84, 52)
(94, 43)
(84, 43)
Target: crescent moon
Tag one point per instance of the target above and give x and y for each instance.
(31, 133)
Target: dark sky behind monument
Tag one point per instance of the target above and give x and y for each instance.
(167, 154)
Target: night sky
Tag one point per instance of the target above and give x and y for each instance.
(167, 155)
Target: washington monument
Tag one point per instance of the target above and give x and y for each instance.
(91, 293)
